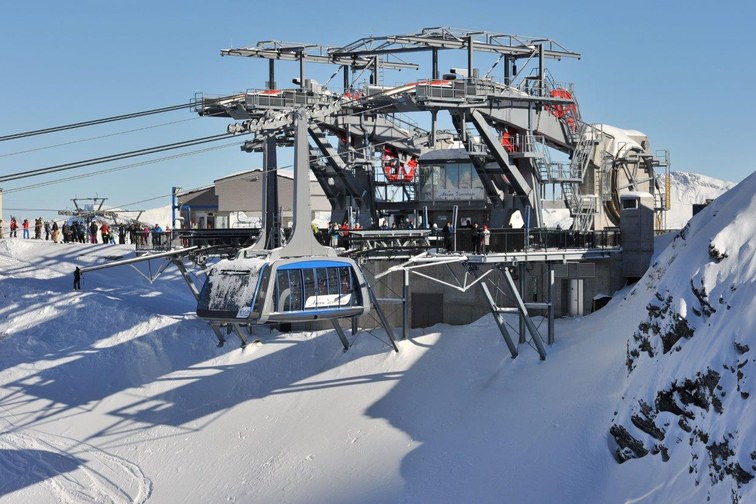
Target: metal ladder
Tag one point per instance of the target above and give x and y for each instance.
(582, 208)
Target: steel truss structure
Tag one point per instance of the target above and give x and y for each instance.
(361, 145)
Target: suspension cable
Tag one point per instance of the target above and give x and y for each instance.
(113, 157)
(104, 120)
(118, 168)
(98, 137)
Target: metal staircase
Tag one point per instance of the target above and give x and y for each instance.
(582, 207)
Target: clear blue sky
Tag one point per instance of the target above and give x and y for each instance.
(682, 72)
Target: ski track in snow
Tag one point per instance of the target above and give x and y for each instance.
(101, 477)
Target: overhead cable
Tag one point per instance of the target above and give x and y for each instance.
(104, 120)
(117, 168)
(112, 157)
(98, 137)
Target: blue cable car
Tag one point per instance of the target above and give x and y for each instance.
(301, 281)
(261, 290)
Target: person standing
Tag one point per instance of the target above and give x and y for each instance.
(93, 232)
(447, 234)
(13, 228)
(77, 279)
(25, 225)
(1, 228)
(475, 238)
(55, 232)
(486, 239)
(47, 230)
(104, 232)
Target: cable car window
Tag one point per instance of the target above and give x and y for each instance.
(295, 286)
(333, 281)
(328, 294)
(260, 292)
(322, 282)
(345, 286)
(282, 292)
(227, 291)
(310, 291)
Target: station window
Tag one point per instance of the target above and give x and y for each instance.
(630, 204)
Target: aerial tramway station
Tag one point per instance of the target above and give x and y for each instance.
(473, 189)
(517, 148)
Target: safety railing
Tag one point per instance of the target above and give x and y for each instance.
(515, 240)
(285, 98)
(148, 241)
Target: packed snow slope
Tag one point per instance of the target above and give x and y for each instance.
(117, 393)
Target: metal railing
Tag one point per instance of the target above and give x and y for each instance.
(221, 238)
(515, 240)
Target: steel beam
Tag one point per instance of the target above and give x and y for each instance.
(502, 158)
(382, 318)
(499, 319)
(239, 334)
(532, 329)
(340, 332)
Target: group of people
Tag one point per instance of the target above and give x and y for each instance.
(77, 231)
(336, 235)
(480, 237)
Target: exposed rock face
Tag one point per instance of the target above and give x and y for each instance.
(689, 360)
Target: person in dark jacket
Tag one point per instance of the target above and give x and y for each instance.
(77, 279)
(447, 234)
(475, 238)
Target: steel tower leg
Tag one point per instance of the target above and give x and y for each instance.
(405, 304)
(551, 304)
(218, 334)
(240, 334)
(499, 319)
(534, 334)
(521, 273)
(382, 318)
(340, 332)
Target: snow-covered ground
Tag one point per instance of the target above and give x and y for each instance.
(117, 393)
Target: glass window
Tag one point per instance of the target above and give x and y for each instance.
(451, 181)
(226, 290)
(310, 291)
(465, 176)
(322, 281)
(629, 203)
(295, 287)
(262, 288)
(333, 281)
(282, 292)
(345, 286)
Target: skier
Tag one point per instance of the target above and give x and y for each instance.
(77, 279)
